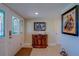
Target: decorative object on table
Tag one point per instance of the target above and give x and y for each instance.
(70, 21)
(39, 26)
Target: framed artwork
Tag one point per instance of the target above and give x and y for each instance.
(39, 26)
(2, 23)
(70, 21)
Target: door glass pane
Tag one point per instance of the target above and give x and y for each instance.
(15, 25)
(2, 24)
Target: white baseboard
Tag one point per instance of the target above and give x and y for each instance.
(53, 44)
(27, 45)
(30, 45)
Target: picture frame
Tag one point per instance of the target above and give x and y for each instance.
(70, 21)
(39, 26)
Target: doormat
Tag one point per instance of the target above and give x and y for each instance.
(24, 52)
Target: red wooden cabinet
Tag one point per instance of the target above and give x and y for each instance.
(39, 41)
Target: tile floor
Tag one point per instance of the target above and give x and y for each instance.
(49, 51)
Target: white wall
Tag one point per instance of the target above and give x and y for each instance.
(10, 46)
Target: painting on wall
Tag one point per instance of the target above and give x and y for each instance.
(39, 26)
(70, 21)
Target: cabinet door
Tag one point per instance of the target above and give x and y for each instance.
(39, 42)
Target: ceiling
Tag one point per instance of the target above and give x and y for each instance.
(27, 10)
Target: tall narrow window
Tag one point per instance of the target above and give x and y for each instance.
(2, 23)
(15, 25)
